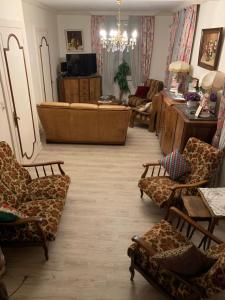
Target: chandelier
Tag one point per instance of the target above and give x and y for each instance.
(117, 40)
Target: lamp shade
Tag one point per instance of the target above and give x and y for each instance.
(179, 67)
(214, 80)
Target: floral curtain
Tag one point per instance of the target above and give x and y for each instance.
(147, 39)
(188, 33)
(182, 33)
(97, 23)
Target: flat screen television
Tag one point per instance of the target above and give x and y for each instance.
(81, 64)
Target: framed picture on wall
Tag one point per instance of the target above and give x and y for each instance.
(74, 40)
(210, 47)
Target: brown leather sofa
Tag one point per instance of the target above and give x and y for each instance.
(84, 123)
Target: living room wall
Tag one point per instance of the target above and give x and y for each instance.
(211, 14)
(41, 19)
(83, 22)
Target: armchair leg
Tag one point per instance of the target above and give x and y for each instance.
(141, 193)
(131, 269)
(43, 240)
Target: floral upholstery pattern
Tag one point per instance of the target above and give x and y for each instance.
(162, 237)
(54, 186)
(158, 189)
(203, 158)
(50, 211)
(41, 197)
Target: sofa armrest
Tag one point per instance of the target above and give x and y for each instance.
(22, 221)
(189, 185)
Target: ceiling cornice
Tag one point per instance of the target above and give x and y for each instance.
(42, 6)
(112, 13)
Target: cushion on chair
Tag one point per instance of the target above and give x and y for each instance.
(50, 211)
(158, 188)
(203, 158)
(12, 174)
(8, 196)
(180, 261)
(142, 91)
(175, 165)
(10, 214)
(162, 237)
(145, 108)
(213, 281)
(49, 187)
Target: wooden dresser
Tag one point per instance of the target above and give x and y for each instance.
(80, 89)
(178, 128)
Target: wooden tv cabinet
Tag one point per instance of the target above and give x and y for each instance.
(86, 89)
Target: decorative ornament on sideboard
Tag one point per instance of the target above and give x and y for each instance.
(181, 70)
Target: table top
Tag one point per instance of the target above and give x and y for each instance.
(214, 198)
(196, 207)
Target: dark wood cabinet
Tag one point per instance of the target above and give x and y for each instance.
(178, 128)
(80, 89)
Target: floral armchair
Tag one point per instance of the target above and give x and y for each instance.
(204, 160)
(155, 86)
(39, 200)
(167, 236)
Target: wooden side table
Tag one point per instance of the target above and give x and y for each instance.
(196, 208)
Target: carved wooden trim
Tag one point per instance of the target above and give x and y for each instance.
(42, 67)
(24, 154)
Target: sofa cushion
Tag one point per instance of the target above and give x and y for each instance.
(55, 104)
(48, 187)
(113, 107)
(49, 210)
(175, 165)
(8, 196)
(83, 106)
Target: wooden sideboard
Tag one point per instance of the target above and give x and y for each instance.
(80, 89)
(174, 128)
(179, 128)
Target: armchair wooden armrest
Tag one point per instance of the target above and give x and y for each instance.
(22, 221)
(175, 211)
(189, 185)
(36, 221)
(156, 169)
(45, 164)
(142, 243)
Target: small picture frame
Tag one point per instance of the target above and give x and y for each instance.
(198, 111)
(210, 48)
(74, 40)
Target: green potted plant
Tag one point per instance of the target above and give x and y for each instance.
(121, 78)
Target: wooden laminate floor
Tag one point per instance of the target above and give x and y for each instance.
(88, 260)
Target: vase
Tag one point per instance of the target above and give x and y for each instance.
(192, 104)
(212, 106)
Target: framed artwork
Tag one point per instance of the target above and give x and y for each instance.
(210, 47)
(74, 40)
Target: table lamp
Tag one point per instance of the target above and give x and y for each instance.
(211, 83)
(181, 69)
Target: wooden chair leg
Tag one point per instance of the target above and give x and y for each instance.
(141, 193)
(43, 240)
(131, 269)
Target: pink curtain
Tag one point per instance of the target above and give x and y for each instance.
(188, 33)
(173, 31)
(182, 33)
(96, 25)
(147, 39)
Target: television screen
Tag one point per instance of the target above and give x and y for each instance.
(81, 64)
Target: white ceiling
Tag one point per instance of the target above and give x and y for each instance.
(110, 5)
